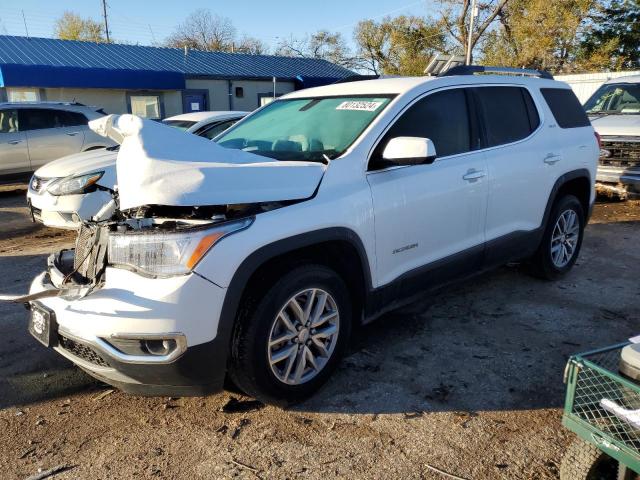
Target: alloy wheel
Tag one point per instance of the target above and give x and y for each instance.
(303, 336)
(564, 238)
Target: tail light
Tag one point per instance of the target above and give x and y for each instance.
(599, 139)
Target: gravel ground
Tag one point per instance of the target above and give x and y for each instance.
(468, 382)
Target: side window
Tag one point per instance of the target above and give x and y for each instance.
(442, 117)
(72, 119)
(9, 121)
(215, 130)
(565, 107)
(38, 118)
(508, 114)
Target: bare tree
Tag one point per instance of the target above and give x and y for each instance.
(456, 14)
(204, 30)
(321, 44)
(251, 45)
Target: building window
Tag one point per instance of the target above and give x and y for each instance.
(146, 106)
(23, 95)
(239, 92)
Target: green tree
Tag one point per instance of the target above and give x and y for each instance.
(614, 40)
(545, 34)
(73, 27)
(401, 45)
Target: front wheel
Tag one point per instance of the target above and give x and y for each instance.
(562, 239)
(288, 344)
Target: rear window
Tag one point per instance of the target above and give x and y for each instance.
(565, 107)
(509, 114)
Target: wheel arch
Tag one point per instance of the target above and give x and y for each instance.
(577, 183)
(338, 248)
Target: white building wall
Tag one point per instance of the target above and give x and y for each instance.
(584, 84)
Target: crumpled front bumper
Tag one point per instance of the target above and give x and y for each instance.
(625, 176)
(129, 305)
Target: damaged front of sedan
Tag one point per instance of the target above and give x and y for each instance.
(148, 299)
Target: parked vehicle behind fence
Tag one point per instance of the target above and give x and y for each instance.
(614, 110)
(72, 189)
(35, 133)
(252, 259)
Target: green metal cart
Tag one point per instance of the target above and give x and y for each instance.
(608, 446)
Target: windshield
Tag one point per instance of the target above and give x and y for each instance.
(615, 98)
(179, 124)
(305, 129)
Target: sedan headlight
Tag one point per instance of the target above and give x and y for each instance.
(167, 254)
(72, 185)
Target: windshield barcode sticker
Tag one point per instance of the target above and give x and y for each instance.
(359, 105)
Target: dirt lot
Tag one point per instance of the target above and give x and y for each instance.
(468, 382)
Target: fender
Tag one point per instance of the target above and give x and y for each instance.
(251, 264)
(567, 177)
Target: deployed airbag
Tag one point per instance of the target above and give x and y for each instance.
(161, 165)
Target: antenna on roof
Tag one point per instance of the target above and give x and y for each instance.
(442, 62)
(25, 23)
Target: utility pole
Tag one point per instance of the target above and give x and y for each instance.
(106, 24)
(24, 19)
(474, 14)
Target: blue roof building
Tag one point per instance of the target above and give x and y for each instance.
(153, 81)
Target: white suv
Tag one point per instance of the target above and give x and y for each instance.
(316, 213)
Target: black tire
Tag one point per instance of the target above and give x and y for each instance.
(249, 366)
(541, 263)
(584, 461)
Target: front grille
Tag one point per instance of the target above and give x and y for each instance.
(82, 351)
(624, 154)
(38, 183)
(90, 252)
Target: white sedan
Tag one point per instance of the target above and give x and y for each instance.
(71, 189)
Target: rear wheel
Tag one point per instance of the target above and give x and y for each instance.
(562, 239)
(584, 461)
(289, 342)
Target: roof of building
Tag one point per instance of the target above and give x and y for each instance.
(30, 57)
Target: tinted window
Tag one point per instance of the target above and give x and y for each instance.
(508, 114)
(9, 121)
(442, 117)
(213, 131)
(37, 118)
(72, 119)
(565, 107)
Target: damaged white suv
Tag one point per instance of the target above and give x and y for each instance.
(252, 259)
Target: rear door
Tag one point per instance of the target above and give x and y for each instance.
(49, 135)
(14, 155)
(431, 214)
(516, 147)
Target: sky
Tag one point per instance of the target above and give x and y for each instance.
(150, 22)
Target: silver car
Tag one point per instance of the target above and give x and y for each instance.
(35, 133)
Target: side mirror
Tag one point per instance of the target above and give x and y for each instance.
(409, 151)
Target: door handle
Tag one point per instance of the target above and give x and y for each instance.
(473, 175)
(552, 158)
(72, 134)
(14, 142)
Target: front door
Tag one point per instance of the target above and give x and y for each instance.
(430, 213)
(49, 134)
(194, 101)
(14, 155)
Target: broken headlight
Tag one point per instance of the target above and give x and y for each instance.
(167, 253)
(72, 185)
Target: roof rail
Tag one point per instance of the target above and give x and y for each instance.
(473, 69)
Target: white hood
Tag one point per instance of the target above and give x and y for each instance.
(78, 164)
(160, 165)
(619, 125)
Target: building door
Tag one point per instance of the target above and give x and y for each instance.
(194, 101)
